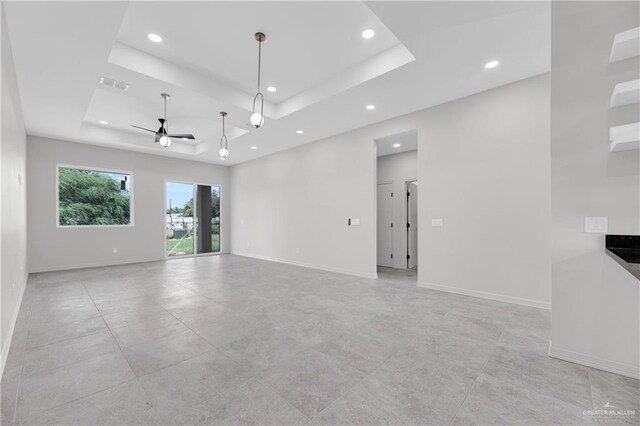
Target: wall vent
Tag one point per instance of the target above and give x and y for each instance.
(120, 85)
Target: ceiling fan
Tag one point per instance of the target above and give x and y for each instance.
(162, 134)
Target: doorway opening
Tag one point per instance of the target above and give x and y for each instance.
(192, 224)
(397, 206)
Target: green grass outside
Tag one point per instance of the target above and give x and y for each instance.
(185, 245)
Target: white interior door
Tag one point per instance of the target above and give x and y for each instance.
(385, 224)
(412, 220)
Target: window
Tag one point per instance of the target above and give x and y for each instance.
(89, 197)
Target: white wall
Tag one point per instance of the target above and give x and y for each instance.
(13, 203)
(53, 248)
(596, 302)
(294, 206)
(483, 166)
(397, 169)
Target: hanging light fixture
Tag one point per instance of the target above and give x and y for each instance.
(224, 149)
(257, 117)
(165, 141)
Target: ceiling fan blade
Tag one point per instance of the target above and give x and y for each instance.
(187, 136)
(142, 128)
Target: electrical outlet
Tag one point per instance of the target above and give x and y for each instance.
(115, 250)
(297, 250)
(597, 225)
(19, 179)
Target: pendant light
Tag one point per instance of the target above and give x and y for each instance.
(224, 149)
(257, 116)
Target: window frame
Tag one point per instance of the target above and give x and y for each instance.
(99, 170)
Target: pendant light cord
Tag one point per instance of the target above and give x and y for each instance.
(259, 62)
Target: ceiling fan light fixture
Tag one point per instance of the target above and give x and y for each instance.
(165, 141)
(163, 136)
(257, 115)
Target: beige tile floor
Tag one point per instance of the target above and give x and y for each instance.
(232, 340)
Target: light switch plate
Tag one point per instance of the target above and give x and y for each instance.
(437, 223)
(596, 225)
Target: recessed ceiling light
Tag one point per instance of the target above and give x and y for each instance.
(185, 139)
(254, 147)
(299, 132)
(396, 145)
(491, 64)
(271, 89)
(154, 37)
(370, 107)
(368, 33)
(104, 122)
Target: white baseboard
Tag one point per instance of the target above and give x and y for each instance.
(615, 367)
(485, 295)
(116, 263)
(55, 268)
(6, 345)
(309, 265)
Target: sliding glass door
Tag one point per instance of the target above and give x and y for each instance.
(192, 219)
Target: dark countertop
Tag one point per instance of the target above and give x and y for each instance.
(625, 249)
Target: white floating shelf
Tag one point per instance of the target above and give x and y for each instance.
(626, 93)
(626, 45)
(624, 138)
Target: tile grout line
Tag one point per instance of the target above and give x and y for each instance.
(77, 362)
(86, 396)
(591, 390)
(366, 375)
(475, 381)
(122, 350)
(108, 328)
(135, 377)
